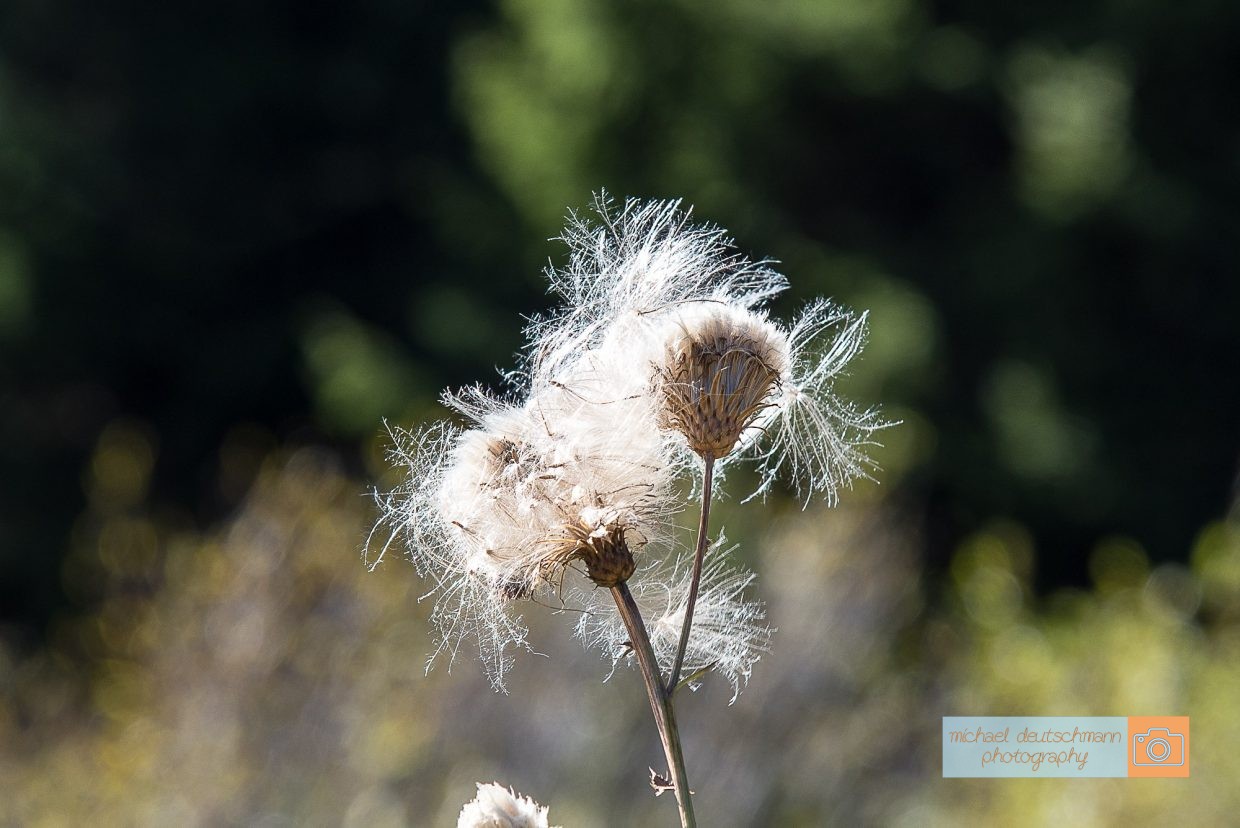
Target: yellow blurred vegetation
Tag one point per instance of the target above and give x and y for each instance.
(259, 674)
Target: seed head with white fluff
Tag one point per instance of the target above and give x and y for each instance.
(678, 317)
(500, 807)
(532, 497)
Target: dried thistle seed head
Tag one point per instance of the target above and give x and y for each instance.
(527, 503)
(644, 265)
(720, 371)
(500, 807)
(602, 549)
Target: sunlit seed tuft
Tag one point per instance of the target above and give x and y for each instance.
(500, 807)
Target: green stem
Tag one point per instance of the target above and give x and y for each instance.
(660, 700)
(698, 555)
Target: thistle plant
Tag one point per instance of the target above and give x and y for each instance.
(660, 369)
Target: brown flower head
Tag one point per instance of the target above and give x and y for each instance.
(720, 371)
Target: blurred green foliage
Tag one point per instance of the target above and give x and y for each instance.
(305, 221)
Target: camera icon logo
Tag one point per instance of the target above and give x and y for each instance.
(1158, 746)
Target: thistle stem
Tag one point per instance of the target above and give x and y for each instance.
(698, 555)
(660, 700)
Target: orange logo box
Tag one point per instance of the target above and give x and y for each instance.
(1157, 746)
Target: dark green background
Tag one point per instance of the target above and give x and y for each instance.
(279, 223)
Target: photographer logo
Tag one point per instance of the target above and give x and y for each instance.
(1066, 746)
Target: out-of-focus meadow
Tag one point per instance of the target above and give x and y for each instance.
(235, 239)
(257, 674)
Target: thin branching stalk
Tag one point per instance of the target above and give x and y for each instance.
(698, 555)
(660, 700)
